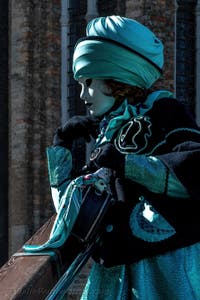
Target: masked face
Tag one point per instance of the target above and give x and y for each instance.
(94, 93)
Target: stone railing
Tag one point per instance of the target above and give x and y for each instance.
(32, 277)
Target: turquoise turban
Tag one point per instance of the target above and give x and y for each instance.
(121, 49)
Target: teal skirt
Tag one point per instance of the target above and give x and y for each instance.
(172, 276)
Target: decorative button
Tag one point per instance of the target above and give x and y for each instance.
(141, 198)
(95, 153)
(109, 228)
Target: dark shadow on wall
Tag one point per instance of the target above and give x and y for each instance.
(3, 131)
(186, 52)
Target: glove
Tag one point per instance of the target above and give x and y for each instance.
(109, 157)
(76, 127)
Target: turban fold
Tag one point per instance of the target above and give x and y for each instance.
(121, 49)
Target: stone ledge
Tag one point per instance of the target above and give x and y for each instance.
(29, 277)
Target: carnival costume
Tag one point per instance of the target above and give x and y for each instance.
(150, 243)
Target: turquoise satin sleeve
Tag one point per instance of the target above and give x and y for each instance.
(66, 198)
(152, 173)
(59, 162)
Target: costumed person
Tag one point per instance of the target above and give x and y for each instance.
(149, 247)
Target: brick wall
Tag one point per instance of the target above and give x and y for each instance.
(34, 112)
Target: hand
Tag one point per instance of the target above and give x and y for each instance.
(76, 127)
(109, 157)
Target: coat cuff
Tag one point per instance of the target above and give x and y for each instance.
(150, 172)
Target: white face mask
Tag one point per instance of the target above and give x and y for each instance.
(94, 94)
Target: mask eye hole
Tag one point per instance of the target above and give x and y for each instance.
(88, 82)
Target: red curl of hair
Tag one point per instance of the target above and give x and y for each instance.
(121, 91)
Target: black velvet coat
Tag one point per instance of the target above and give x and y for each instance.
(175, 140)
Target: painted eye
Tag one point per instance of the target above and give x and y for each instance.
(88, 82)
